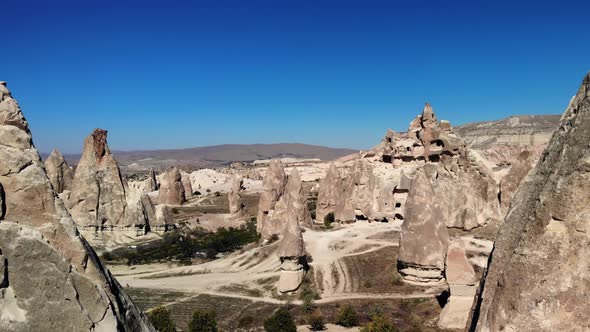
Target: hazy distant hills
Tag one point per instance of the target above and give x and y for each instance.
(219, 155)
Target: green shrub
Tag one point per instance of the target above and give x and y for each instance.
(280, 321)
(329, 219)
(273, 238)
(316, 322)
(203, 321)
(347, 317)
(160, 319)
(379, 324)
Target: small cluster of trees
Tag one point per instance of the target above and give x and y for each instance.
(202, 320)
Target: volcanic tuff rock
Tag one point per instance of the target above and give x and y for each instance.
(329, 193)
(518, 171)
(186, 184)
(98, 194)
(58, 171)
(292, 202)
(462, 283)
(424, 237)
(51, 279)
(292, 255)
(538, 277)
(236, 208)
(171, 188)
(151, 183)
(273, 187)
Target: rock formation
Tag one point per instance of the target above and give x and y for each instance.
(424, 237)
(537, 278)
(273, 187)
(98, 193)
(58, 171)
(171, 190)
(329, 193)
(236, 208)
(518, 171)
(292, 202)
(186, 184)
(462, 286)
(292, 255)
(151, 183)
(50, 278)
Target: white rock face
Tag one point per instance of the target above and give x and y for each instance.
(292, 255)
(50, 278)
(273, 184)
(186, 184)
(236, 208)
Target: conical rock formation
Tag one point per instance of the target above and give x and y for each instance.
(292, 255)
(538, 279)
(292, 202)
(273, 187)
(50, 278)
(58, 171)
(236, 208)
(329, 194)
(98, 194)
(171, 190)
(424, 237)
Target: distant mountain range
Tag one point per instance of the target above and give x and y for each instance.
(219, 155)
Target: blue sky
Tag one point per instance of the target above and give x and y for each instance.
(172, 74)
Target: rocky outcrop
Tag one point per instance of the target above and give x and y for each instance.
(426, 139)
(98, 194)
(171, 190)
(50, 278)
(462, 283)
(151, 183)
(236, 207)
(292, 202)
(58, 171)
(273, 187)
(424, 237)
(292, 256)
(186, 184)
(537, 277)
(330, 193)
(518, 171)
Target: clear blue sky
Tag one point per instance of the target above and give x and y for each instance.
(168, 74)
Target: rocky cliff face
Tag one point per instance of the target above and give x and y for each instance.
(171, 190)
(97, 200)
(50, 278)
(58, 171)
(273, 187)
(538, 277)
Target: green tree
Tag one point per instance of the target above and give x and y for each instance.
(280, 321)
(379, 323)
(307, 296)
(347, 317)
(160, 319)
(203, 321)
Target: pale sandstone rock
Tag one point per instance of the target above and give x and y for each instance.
(171, 188)
(292, 254)
(273, 187)
(236, 208)
(424, 237)
(52, 279)
(518, 171)
(330, 193)
(462, 285)
(59, 173)
(98, 194)
(538, 279)
(151, 183)
(291, 202)
(186, 184)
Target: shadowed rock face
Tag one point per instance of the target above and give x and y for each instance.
(50, 278)
(538, 279)
(273, 187)
(518, 171)
(98, 194)
(423, 238)
(292, 202)
(58, 171)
